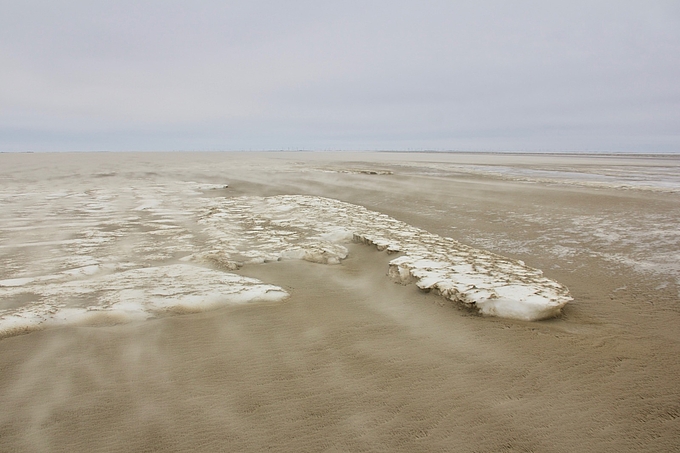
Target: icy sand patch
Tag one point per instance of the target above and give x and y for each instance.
(135, 294)
(307, 227)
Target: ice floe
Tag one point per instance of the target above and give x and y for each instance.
(154, 249)
(130, 295)
(307, 227)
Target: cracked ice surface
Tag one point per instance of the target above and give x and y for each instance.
(97, 254)
(310, 228)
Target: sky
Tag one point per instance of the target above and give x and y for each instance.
(591, 76)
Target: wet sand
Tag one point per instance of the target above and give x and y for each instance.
(353, 362)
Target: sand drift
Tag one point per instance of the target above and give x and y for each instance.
(183, 252)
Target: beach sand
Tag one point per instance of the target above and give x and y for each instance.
(351, 361)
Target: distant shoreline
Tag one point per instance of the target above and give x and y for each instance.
(517, 153)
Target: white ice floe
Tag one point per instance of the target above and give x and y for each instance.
(153, 249)
(130, 295)
(254, 229)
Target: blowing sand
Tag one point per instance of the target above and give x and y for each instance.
(349, 361)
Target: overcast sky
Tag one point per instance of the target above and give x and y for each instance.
(442, 75)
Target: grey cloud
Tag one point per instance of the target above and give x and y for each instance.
(348, 75)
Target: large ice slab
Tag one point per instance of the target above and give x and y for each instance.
(307, 227)
(93, 253)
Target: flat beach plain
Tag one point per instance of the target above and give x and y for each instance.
(350, 361)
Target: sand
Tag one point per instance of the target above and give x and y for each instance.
(351, 361)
